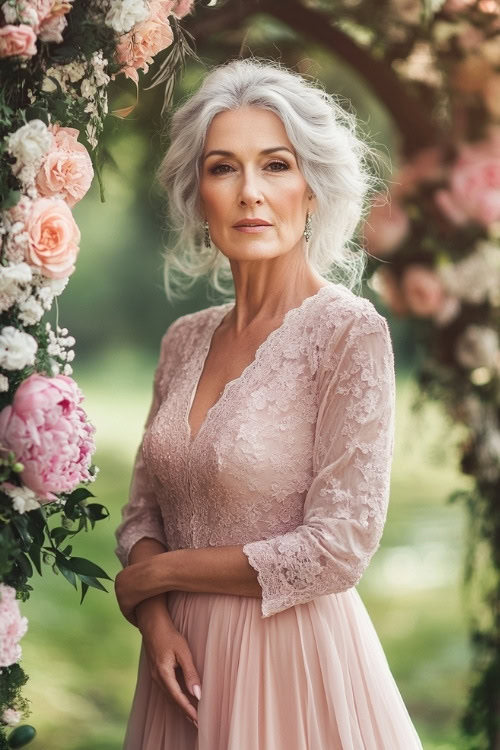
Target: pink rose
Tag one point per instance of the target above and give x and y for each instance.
(53, 238)
(182, 8)
(12, 626)
(67, 168)
(425, 165)
(17, 41)
(385, 228)
(49, 433)
(136, 49)
(474, 192)
(423, 290)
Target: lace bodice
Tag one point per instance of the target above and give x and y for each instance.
(293, 461)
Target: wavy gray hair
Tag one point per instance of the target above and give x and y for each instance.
(332, 156)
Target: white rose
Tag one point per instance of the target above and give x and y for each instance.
(477, 347)
(17, 349)
(4, 384)
(11, 717)
(29, 144)
(125, 14)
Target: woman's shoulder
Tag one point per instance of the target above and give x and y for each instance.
(343, 310)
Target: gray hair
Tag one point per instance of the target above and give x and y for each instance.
(332, 156)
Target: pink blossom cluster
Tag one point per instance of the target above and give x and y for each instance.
(31, 20)
(49, 433)
(12, 626)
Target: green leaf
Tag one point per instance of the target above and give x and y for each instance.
(21, 524)
(25, 564)
(91, 581)
(96, 511)
(85, 567)
(81, 493)
(67, 573)
(85, 588)
(34, 553)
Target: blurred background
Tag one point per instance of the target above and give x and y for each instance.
(82, 660)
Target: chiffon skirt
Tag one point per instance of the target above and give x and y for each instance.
(312, 677)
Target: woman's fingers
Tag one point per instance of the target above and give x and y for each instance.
(191, 678)
(170, 684)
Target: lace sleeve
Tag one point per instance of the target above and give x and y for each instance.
(141, 516)
(346, 505)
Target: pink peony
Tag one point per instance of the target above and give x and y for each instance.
(17, 41)
(12, 626)
(423, 290)
(385, 227)
(49, 433)
(474, 192)
(53, 238)
(67, 168)
(136, 49)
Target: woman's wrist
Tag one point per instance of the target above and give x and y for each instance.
(148, 611)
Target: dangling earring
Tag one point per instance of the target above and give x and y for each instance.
(208, 241)
(308, 227)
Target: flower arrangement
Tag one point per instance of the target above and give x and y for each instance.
(57, 58)
(435, 247)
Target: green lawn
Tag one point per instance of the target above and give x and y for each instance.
(82, 660)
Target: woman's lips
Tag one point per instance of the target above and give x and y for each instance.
(254, 228)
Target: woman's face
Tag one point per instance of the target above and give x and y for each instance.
(249, 171)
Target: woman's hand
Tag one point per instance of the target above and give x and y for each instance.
(167, 649)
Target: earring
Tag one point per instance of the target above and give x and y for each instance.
(208, 241)
(308, 227)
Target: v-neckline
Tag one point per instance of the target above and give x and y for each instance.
(209, 332)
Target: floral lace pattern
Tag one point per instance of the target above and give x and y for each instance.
(293, 461)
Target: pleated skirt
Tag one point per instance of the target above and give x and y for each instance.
(312, 677)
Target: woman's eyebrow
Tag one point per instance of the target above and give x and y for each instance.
(221, 152)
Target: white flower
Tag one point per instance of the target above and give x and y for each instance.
(4, 384)
(18, 273)
(30, 311)
(476, 278)
(29, 145)
(23, 499)
(477, 347)
(17, 349)
(125, 14)
(10, 716)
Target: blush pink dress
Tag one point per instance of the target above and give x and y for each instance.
(293, 462)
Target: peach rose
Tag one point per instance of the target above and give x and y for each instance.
(385, 227)
(17, 41)
(136, 49)
(474, 192)
(53, 238)
(423, 290)
(67, 168)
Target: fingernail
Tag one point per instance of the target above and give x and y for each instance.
(197, 691)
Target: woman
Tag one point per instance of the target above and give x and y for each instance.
(260, 488)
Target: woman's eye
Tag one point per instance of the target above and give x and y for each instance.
(220, 168)
(279, 163)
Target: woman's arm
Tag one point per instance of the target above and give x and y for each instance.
(147, 611)
(216, 570)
